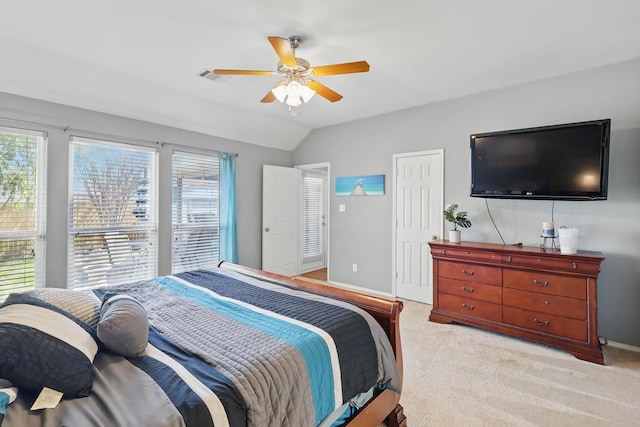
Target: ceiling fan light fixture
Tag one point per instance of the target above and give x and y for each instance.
(280, 91)
(294, 101)
(307, 93)
(293, 93)
(294, 89)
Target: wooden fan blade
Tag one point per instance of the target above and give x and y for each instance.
(269, 97)
(282, 47)
(324, 91)
(346, 68)
(244, 72)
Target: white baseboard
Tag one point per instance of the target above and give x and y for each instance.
(623, 346)
(361, 290)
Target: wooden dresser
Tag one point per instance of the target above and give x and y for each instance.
(523, 291)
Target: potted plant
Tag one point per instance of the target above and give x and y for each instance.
(458, 219)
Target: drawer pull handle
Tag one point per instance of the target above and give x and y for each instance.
(509, 258)
(444, 251)
(540, 323)
(575, 265)
(467, 273)
(468, 290)
(468, 307)
(542, 284)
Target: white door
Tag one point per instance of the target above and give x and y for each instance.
(280, 220)
(418, 218)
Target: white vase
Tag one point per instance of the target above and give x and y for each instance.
(454, 236)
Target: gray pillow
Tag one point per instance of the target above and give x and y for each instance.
(123, 327)
(84, 305)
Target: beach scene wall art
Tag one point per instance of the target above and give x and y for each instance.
(364, 185)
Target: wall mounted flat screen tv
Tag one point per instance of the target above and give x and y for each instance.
(559, 162)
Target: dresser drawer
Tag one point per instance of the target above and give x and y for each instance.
(552, 284)
(552, 263)
(470, 307)
(470, 272)
(470, 254)
(476, 291)
(545, 303)
(546, 323)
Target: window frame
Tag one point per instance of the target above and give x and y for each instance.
(114, 253)
(37, 232)
(189, 239)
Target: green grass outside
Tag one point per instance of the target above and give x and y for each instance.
(16, 276)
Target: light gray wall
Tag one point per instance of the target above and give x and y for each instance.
(248, 173)
(363, 233)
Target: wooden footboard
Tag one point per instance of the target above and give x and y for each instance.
(386, 312)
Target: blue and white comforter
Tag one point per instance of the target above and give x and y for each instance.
(229, 350)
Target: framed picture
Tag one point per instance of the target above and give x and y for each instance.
(363, 185)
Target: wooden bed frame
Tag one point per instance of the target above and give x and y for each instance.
(386, 405)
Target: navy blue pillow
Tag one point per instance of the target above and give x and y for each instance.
(44, 346)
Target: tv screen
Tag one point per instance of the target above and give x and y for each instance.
(561, 162)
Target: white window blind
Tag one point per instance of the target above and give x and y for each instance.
(196, 220)
(312, 216)
(22, 210)
(112, 213)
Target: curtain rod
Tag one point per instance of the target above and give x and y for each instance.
(70, 130)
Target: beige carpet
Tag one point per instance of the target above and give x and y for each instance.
(456, 375)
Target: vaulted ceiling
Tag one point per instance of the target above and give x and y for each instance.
(141, 58)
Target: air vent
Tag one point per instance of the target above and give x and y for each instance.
(208, 74)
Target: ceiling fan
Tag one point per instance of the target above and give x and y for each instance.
(298, 85)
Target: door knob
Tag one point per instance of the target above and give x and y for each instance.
(266, 229)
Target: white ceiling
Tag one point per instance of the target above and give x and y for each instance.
(140, 58)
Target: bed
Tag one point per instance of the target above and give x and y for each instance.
(232, 346)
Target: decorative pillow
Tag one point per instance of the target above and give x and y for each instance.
(44, 346)
(84, 305)
(123, 327)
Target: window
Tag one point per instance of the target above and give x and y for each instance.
(112, 213)
(22, 210)
(196, 207)
(313, 219)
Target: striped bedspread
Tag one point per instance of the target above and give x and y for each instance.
(229, 350)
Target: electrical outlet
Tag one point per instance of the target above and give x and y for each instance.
(355, 268)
